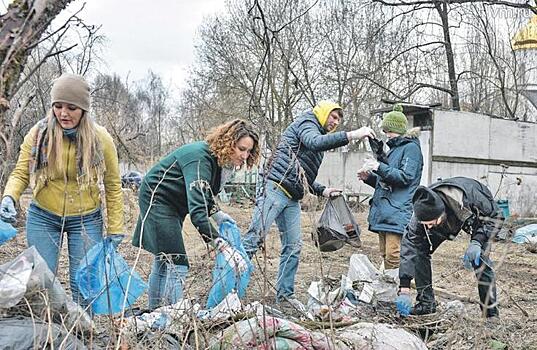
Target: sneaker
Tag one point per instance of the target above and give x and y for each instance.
(423, 309)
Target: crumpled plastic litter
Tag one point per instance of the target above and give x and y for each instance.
(27, 276)
(172, 318)
(378, 286)
(526, 234)
(378, 336)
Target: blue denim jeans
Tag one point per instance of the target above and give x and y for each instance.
(166, 282)
(44, 231)
(274, 205)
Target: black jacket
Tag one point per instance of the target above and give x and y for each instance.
(481, 218)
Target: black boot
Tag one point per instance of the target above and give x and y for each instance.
(487, 287)
(423, 309)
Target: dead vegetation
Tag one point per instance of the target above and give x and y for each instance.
(447, 329)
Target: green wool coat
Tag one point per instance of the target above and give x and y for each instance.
(184, 182)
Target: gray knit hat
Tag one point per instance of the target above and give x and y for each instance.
(72, 89)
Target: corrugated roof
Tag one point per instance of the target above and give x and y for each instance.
(526, 38)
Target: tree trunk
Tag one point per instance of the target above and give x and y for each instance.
(21, 28)
(443, 12)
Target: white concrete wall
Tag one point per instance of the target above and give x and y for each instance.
(339, 170)
(461, 135)
(470, 135)
(426, 146)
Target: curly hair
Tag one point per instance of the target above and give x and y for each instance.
(223, 138)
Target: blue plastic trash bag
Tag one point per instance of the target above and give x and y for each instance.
(6, 232)
(524, 234)
(103, 264)
(225, 279)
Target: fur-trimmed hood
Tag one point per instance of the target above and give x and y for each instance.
(413, 133)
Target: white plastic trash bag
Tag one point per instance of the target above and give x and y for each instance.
(361, 269)
(525, 234)
(170, 318)
(377, 286)
(380, 337)
(14, 277)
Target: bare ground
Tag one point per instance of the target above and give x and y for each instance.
(515, 268)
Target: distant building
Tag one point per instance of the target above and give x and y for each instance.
(525, 46)
(501, 153)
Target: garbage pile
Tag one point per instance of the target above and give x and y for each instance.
(36, 311)
(256, 326)
(340, 304)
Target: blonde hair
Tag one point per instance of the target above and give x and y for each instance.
(87, 143)
(223, 138)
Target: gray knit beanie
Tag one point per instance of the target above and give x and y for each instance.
(72, 89)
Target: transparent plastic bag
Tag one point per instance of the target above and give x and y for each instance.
(336, 226)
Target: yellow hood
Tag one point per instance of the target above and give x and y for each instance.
(323, 109)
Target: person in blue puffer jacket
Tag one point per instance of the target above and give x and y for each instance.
(288, 175)
(395, 180)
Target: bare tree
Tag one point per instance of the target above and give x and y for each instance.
(21, 28)
(444, 9)
(154, 98)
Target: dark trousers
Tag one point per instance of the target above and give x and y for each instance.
(484, 272)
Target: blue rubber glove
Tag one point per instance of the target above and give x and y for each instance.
(220, 217)
(7, 210)
(115, 240)
(472, 255)
(403, 304)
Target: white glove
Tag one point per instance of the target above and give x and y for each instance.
(8, 213)
(220, 217)
(370, 164)
(232, 256)
(359, 134)
(331, 192)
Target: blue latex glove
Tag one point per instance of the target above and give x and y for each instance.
(472, 255)
(403, 304)
(115, 240)
(7, 210)
(220, 217)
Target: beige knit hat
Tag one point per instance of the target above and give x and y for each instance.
(72, 89)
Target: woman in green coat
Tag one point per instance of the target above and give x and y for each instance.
(185, 182)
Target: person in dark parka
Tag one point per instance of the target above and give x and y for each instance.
(290, 174)
(184, 183)
(440, 212)
(395, 179)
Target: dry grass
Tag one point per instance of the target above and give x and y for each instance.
(515, 267)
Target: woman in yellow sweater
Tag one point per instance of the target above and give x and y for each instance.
(67, 160)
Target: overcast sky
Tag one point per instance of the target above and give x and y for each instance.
(143, 35)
